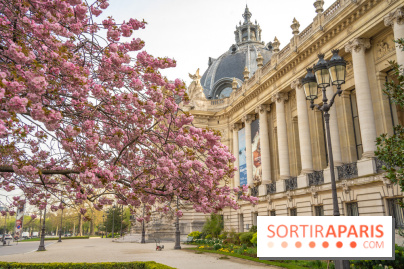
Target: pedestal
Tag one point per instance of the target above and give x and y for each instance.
(327, 174)
(302, 181)
(280, 186)
(366, 166)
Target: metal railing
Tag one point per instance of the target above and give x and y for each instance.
(254, 191)
(291, 183)
(347, 171)
(271, 187)
(316, 178)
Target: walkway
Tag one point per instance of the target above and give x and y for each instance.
(104, 250)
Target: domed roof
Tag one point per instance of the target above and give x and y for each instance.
(217, 79)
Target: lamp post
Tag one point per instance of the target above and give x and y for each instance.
(5, 228)
(325, 74)
(61, 223)
(113, 221)
(42, 243)
(143, 241)
(177, 231)
(105, 227)
(121, 218)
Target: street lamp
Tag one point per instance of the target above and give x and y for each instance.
(113, 220)
(121, 218)
(105, 227)
(5, 228)
(325, 73)
(177, 231)
(61, 223)
(42, 243)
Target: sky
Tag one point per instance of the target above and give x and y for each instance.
(192, 31)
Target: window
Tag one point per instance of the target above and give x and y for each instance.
(396, 211)
(254, 216)
(352, 209)
(241, 223)
(293, 212)
(356, 125)
(272, 213)
(319, 210)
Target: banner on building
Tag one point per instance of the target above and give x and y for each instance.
(242, 160)
(256, 151)
(19, 219)
(325, 238)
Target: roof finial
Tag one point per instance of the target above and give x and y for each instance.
(247, 15)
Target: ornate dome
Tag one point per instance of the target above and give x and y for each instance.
(217, 79)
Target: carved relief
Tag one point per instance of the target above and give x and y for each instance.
(349, 68)
(224, 133)
(384, 46)
(292, 99)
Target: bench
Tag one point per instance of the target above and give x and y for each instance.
(190, 239)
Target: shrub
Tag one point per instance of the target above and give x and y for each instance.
(375, 264)
(253, 229)
(222, 236)
(103, 265)
(209, 236)
(245, 238)
(195, 234)
(213, 225)
(254, 239)
(217, 246)
(228, 241)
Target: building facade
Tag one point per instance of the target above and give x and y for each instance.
(253, 94)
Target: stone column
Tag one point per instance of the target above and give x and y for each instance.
(364, 101)
(396, 20)
(240, 35)
(283, 148)
(304, 128)
(248, 33)
(264, 143)
(336, 145)
(247, 119)
(236, 128)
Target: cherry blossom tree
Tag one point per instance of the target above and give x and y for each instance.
(85, 115)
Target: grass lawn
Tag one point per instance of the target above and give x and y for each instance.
(290, 264)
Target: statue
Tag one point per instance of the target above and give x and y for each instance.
(196, 78)
(195, 92)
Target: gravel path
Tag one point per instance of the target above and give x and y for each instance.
(104, 250)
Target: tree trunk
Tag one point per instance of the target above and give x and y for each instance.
(80, 226)
(92, 227)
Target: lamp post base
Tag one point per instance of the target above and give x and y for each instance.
(177, 240)
(341, 264)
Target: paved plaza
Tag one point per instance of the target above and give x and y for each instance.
(104, 250)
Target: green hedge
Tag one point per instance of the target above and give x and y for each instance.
(245, 238)
(55, 238)
(102, 265)
(398, 263)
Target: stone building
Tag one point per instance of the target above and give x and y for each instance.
(253, 94)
